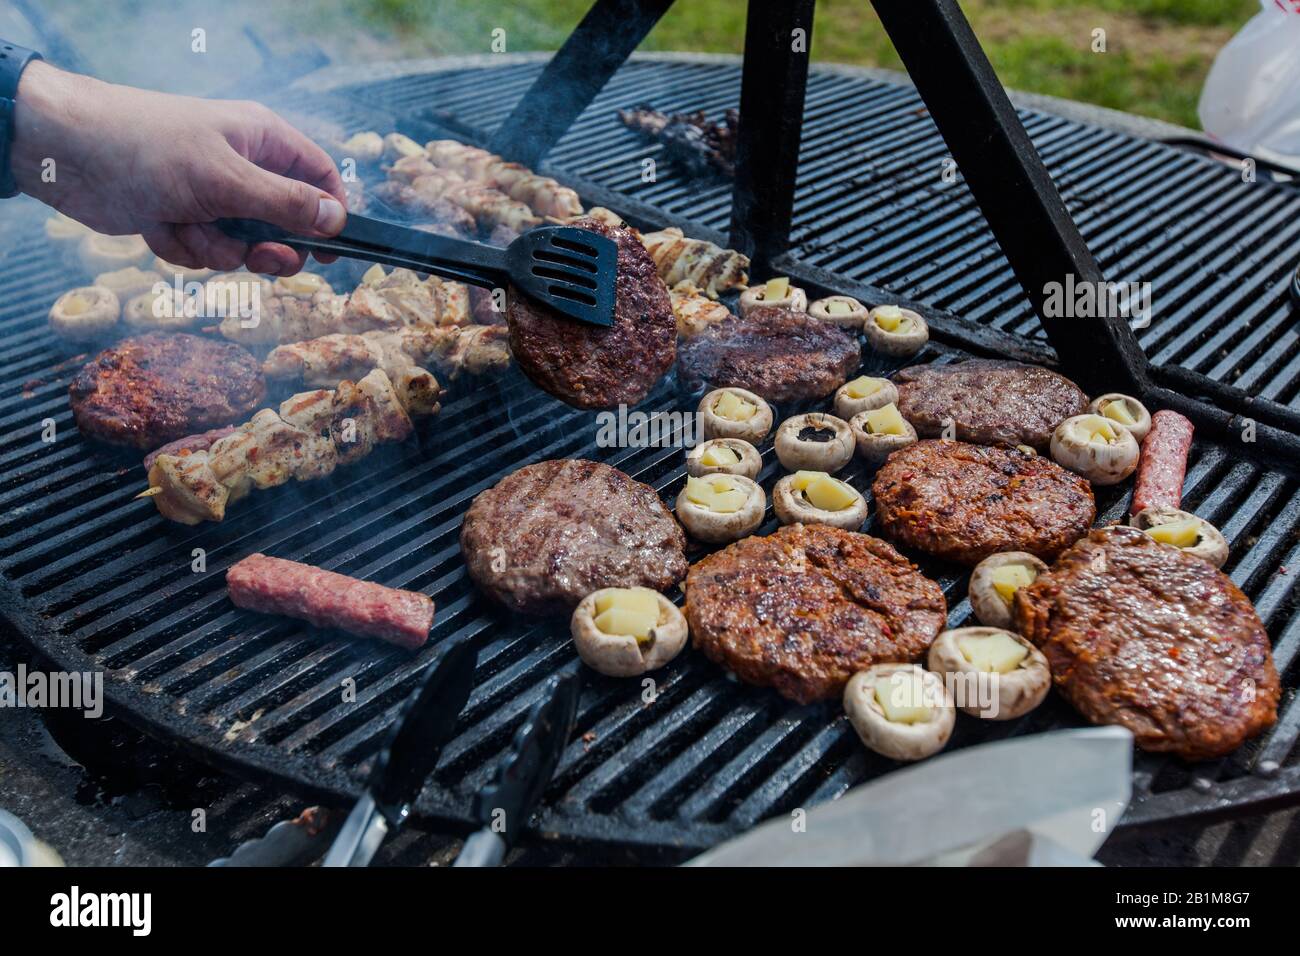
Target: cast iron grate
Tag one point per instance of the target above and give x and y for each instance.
(94, 579)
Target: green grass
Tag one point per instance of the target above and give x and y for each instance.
(1158, 50)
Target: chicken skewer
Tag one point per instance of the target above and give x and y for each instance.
(695, 311)
(490, 207)
(310, 435)
(545, 196)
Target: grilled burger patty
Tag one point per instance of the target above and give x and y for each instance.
(964, 502)
(781, 355)
(151, 389)
(545, 537)
(593, 367)
(988, 402)
(804, 608)
(1140, 634)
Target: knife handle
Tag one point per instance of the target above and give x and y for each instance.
(483, 848)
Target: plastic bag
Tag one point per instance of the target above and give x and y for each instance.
(1251, 99)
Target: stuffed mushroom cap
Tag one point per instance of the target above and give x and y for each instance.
(720, 508)
(814, 442)
(85, 314)
(995, 674)
(995, 580)
(839, 309)
(879, 432)
(729, 456)
(1189, 533)
(778, 293)
(100, 253)
(1097, 448)
(893, 330)
(864, 394)
(624, 632)
(814, 497)
(733, 412)
(901, 711)
(1125, 410)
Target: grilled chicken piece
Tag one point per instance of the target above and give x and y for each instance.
(710, 268)
(489, 207)
(546, 197)
(311, 434)
(418, 204)
(694, 311)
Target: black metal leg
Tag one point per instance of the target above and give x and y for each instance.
(1014, 191)
(595, 49)
(771, 122)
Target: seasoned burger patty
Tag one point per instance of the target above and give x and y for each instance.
(551, 533)
(1140, 634)
(778, 354)
(152, 389)
(988, 402)
(593, 367)
(806, 607)
(964, 502)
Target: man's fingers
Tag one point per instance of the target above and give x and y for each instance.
(288, 203)
(213, 247)
(273, 258)
(165, 243)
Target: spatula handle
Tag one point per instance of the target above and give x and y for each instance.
(376, 241)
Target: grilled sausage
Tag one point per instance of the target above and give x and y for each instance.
(326, 599)
(1163, 463)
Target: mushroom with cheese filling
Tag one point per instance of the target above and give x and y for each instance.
(101, 253)
(893, 330)
(171, 270)
(720, 508)
(1097, 448)
(1124, 409)
(127, 283)
(623, 632)
(304, 285)
(84, 314)
(995, 581)
(815, 441)
(880, 432)
(841, 310)
(864, 394)
(735, 413)
(168, 311)
(997, 675)
(901, 711)
(775, 292)
(724, 456)
(1184, 530)
(814, 497)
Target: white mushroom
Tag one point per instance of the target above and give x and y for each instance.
(995, 674)
(101, 253)
(1124, 409)
(364, 147)
(995, 581)
(127, 283)
(814, 497)
(399, 146)
(304, 285)
(840, 309)
(815, 441)
(1183, 530)
(171, 270)
(63, 228)
(775, 292)
(84, 314)
(864, 394)
(720, 508)
(893, 330)
(1097, 448)
(735, 413)
(881, 431)
(168, 311)
(724, 456)
(623, 632)
(900, 711)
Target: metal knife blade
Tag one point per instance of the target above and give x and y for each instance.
(505, 804)
(424, 724)
(1069, 787)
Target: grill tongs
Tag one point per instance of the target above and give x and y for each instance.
(566, 269)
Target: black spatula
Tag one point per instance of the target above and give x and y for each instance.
(564, 268)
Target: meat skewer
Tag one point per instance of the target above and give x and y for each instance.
(327, 599)
(1163, 463)
(695, 311)
(310, 435)
(489, 207)
(472, 349)
(710, 268)
(690, 139)
(545, 196)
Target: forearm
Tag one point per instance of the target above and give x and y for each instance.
(49, 116)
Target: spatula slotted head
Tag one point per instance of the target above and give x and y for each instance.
(567, 269)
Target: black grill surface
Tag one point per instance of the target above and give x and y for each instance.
(95, 579)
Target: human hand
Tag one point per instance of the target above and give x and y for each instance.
(133, 161)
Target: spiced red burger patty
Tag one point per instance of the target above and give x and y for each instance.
(1143, 635)
(964, 502)
(549, 534)
(988, 402)
(781, 355)
(151, 389)
(591, 366)
(806, 607)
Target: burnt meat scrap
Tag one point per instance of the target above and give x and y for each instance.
(699, 147)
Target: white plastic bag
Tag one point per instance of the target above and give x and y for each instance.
(1251, 99)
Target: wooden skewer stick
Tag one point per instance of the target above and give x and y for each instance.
(149, 492)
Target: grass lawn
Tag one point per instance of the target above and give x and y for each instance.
(1157, 51)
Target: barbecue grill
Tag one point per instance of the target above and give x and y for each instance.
(95, 580)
